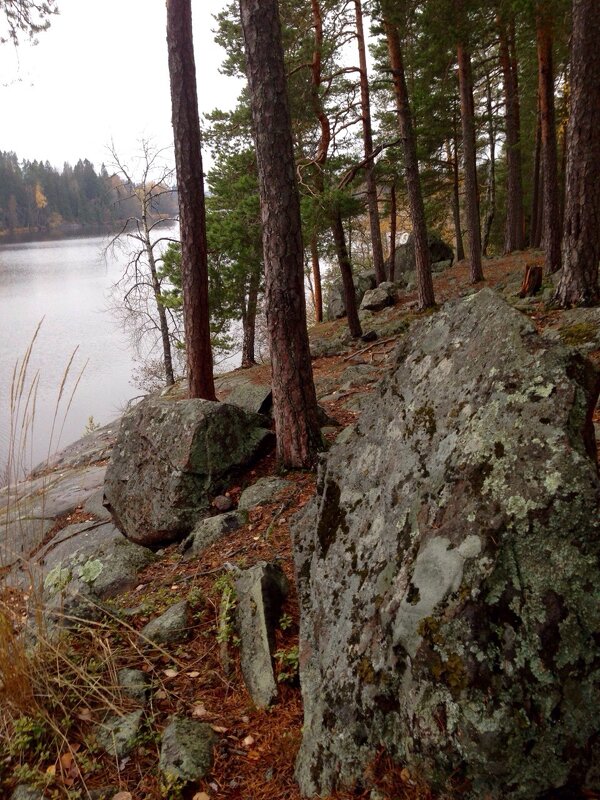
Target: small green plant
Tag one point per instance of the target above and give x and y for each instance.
(226, 625)
(91, 426)
(289, 662)
(29, 735)
(285, 622)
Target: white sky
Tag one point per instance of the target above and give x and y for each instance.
(99, 74)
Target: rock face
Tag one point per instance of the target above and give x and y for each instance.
(336, 305)
(448, 568)
(171, 458)
(260, 593)
(439, 251)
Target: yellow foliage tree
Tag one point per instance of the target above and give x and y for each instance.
(40, 197)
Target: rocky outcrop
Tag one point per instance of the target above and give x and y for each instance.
(171, 458)
(336, 304)
(439, 252)
(448, 569)
(260, 592)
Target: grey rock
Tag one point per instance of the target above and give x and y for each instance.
(439, 251)
(134, 684)
(260, 592)
(187, 749)
(379, 298)
(336, 305)
(578, 328)
(95, 505)
(448, 571)
(222, 503)
(88, 450)
(254, 397)
(209, 530)
(117, 735)
(358, 375)
(265, 490)
(25, 792)
(171, 627)
(171, 458)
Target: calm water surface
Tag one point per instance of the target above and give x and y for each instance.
(66, 283)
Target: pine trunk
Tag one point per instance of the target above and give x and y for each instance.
(249, 322)
(190, 183)
(453, 161)
(513, 239)
(161, 310)
(467, 114)
(339, 238)
(294, 398)
(536, 205)
(426, 296)
(371, 184)
(393, 214)
(490, 212)
(548, 126)
(581, 240)
(316, 273)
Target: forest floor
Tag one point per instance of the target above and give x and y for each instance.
(255, 754)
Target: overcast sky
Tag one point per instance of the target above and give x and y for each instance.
(100, 73)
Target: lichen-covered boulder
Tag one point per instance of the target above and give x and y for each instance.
(439, 251)
(449, 570)
(171, 458)
(336, 303)
(379, 298)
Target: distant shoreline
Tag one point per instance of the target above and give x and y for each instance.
(66, 230)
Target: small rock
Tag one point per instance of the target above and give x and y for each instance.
(260, 592)
(209, 530)
(381, 297)
(25, 792)
(171, 627)
(134, 684)
(263, 491)
(222, 503)
(117, 735)
(187, 749)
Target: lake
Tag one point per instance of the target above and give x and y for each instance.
(65, 282)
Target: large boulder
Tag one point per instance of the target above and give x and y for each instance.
(171, 458)
(439, 251)
(448, 569)
(336, 304)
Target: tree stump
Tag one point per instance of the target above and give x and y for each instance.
(532, 282)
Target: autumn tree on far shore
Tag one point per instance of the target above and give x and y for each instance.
(294, 398)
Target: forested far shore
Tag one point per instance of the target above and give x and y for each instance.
(38, 199)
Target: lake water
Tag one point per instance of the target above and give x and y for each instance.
(66, 283)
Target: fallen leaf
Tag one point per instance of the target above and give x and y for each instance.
(85, 715)
(51, 770)
(201, 796)
(405, 775)
(199, 711)
(123, 796)
(192, 674)
(248, 741)
(219, 729)
(66, 760)
(171, 673)
(160, 694)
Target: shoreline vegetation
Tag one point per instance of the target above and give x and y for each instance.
(66, 230)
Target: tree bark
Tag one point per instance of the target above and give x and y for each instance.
(536, 216)
(161, 310)
(393, 215)
(426, 297)
(467, 114)
(548, 126)
(192, 221)
(453, 162)
(371, 184)
(316, 273)
(513, 238)
(294, 398)
(249, 322)
(339, 238)
(581, 240)
(490, 212)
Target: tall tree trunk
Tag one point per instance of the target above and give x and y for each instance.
(161, 310)
(536, 205)
(316, 273)
(548, 124)
(339, 238)
(371, 184)
(249, 321)
(513, 238)
(467, 114)
(393, 217)
(294, 398)
(453, 161)
(192, 220)
(411, 166)
(581, 241)
(491, 188)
